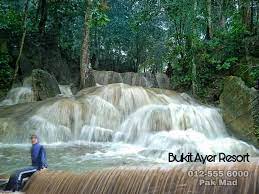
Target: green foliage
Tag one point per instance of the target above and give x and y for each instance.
(99, 16)
(66, 19)
(229, 62)
(236, 27)
(254, 73)
(214, 58)
(10, 19)
(6, 72)
(150, 34)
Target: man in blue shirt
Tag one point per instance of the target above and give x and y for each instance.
(39, 162)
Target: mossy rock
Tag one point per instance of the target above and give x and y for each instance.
(44, 85)
(240, 109)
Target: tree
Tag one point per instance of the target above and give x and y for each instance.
(42, 8)
(209, 19)
(25, 15)
(144, 36)
(85, 68)
(222, 19)
(99, 19)
(194, 66)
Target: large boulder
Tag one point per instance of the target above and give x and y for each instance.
(44, 85)
(107, 77)
(240, 105)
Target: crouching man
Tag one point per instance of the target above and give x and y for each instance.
(39, 162)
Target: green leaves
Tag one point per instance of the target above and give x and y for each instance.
(10, 19)
(99, 18)
(237, 27)
(99, 13)
(146, 35)
(254, 73)
(229, 62)
(6, 71)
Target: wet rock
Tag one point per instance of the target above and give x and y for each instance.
(240, 105)
(44, 85)
(90, 80)
(135, 79)
(44, 53)
(127, 77)
(162, 81)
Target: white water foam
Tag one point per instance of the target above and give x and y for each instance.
(133, 121)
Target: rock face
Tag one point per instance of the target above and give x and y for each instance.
(240, 106)
(90, 80)
(135, 79)
(44, 85)
(162, 81)
(44, 53)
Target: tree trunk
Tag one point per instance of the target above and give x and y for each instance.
(246, 15)
(222, 12)
(252, 16)
(25, 15)
(194, 66)
(84, 62)
(137, 52)
(43, 9)
(257, 17)
(96, 48)
(194, 77)
(209, 20)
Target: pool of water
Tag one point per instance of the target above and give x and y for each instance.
(76, 156)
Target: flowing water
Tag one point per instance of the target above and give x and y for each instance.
(66, 90)
(114, 125)
(18, 95)
(24, 94)
(147, 180)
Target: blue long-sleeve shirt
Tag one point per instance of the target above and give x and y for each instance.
(38, 156)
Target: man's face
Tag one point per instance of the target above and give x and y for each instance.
(34, 140)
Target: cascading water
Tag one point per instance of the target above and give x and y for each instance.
(65, 90)
(24, 94)
(18, 95)
(119, 125)
(114, 125)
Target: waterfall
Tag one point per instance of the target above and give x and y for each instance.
(65, 90)
(178, 180)
(128, 128)
(24, 94)
(18, 95)
(152, 121)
